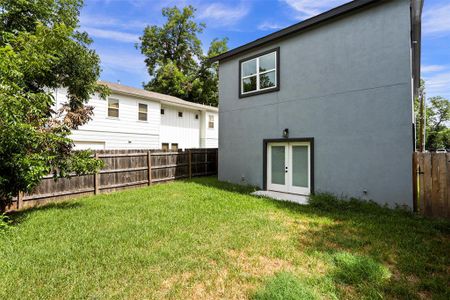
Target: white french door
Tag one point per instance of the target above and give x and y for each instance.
(289, 167)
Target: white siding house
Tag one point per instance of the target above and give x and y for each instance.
(139, 119)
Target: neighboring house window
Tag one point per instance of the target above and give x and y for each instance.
(174, 147)
(180, 114)
(142, 112)
(162, 111)
(211, 121)
(113, 108)
(165, 146)
(259, 74)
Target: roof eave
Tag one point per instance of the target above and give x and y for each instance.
(328, 15)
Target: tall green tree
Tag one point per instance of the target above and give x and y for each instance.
(175, 60)
(438, 116)
(41, 49)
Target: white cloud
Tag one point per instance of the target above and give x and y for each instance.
(269, 26)
(309, 8)
(436, 20)
(120, 62)
(432, 68)
(87, 20)
(438, 85)
(223, 14)
(114, 35)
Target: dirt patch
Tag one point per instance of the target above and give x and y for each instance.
(258, 265)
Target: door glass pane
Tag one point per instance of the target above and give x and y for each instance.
(278, 165)
(300, 166)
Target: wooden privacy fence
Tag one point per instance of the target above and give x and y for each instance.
(124, 169)
(431, 181)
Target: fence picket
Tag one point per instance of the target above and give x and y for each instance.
(123, 169)
(433, 183)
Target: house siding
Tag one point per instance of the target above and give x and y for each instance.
(127, 132)
(185, 130)
(348, 85)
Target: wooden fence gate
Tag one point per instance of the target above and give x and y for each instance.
(431, 183)
(123, 169)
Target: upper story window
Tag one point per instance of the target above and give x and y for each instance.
(142, 115)
(113, 108)
(211, 121)
(259, 74)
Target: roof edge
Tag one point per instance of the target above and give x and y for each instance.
(325, 16)
(114, 87)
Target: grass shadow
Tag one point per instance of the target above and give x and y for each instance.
(212, 182)
(17, 217)
(374, 251)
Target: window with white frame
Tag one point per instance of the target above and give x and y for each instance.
(259, 73)
(142, 114)
(211, 121)
(113, 108)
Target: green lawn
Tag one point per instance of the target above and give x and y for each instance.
(202, 239)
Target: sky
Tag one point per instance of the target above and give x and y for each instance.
(115, 27)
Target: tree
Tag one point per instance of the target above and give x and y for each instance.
(438, 115)
(174, 48)
(205, 85)
(40, 49)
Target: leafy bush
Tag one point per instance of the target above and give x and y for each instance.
(284, 286)
(4, 222)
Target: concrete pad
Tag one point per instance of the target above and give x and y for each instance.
(299, 199)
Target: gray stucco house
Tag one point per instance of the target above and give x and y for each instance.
(325, 104)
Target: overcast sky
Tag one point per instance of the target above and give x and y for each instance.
(115, 26)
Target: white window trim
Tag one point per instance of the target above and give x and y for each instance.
(209, 121)
(146, 112)
(118, 109)
(258, 73)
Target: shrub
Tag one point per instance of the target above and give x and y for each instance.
(4, 222)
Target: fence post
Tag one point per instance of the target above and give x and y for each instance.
(206, 163)
(190, 163)
(20, 200)
(217, 161)
(149, 166)
(96, 178)
(414, 179)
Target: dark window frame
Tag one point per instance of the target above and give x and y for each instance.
(277, 72)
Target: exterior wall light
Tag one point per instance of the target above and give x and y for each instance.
(286, 133)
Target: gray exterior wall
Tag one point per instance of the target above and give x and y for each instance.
(348, 85)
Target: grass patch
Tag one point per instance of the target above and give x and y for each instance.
(203, 239)
(284, 286)
(359, 269)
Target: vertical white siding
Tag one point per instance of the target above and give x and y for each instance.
(185, 131)
(118, 133)
(126, 131)
(210, 139)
